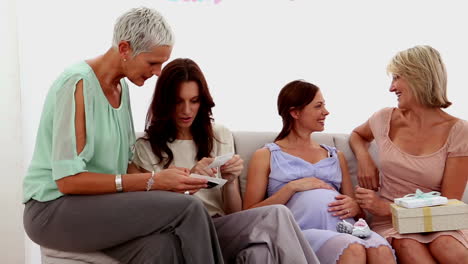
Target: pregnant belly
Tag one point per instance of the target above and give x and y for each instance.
(310, 208)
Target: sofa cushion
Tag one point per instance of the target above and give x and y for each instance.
(52, 256)
(245, 144)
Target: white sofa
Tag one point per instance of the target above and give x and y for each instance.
(245, 145)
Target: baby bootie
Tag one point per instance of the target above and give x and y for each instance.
(361, 229)
(344, 227)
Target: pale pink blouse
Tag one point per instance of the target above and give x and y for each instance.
(402, 173)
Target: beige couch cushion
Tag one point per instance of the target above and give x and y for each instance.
(52, 256)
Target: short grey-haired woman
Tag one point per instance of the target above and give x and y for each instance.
(78, 196)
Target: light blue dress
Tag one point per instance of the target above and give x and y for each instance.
(310, 208)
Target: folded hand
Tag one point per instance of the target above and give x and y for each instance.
(232, 168)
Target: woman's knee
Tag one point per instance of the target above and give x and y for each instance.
(411, 250)
(256, 253)
(355, 251)
(278, 209)
(406, 245)
(443, 243)
(161, 247)
(447, 248)
(177, 202)
(165, 244)
(194, 204)
(154, 248)
(382, 252)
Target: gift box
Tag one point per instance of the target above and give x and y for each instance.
(421, 199)
(451, 216)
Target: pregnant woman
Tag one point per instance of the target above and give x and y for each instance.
(307, 177)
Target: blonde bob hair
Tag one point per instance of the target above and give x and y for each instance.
(425, 72)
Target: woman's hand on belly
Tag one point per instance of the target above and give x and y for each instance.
(309, 183)
(344, 207)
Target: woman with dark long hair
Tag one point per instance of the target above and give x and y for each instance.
(180, 132)
(313, 181)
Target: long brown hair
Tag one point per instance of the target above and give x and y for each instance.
(160, 127)
(294, 95)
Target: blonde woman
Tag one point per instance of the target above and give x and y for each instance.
(420, 146)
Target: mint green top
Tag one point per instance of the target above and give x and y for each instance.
(109, 135)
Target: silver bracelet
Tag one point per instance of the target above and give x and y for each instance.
(150, 182)
(118, 182)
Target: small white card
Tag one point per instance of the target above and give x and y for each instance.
(220, 160)
(212, 181)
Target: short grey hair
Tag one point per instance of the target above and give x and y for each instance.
(143, 28)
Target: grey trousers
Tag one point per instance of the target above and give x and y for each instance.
(134, 227)
(263, 235)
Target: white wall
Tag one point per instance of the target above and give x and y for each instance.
(11, 162)
(249, 50)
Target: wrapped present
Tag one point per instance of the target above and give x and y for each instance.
(451, 216)
(421, 199)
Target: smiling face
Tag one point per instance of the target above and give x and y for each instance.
(146, 64)
(187, 105)
(312, 116)
(402, 90)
